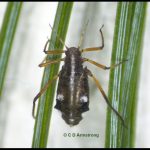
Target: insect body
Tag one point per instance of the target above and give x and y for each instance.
(73, 90)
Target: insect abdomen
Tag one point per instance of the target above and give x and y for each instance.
(73, 103)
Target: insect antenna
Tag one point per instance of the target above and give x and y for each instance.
(62, 42)
(82, 35)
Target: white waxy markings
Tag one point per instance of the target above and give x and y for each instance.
(60, 97)
(84, 99)
(71, 120)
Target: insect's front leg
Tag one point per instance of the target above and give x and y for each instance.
(49, 52)
(96, 48)
(104, 95)
(45, 47)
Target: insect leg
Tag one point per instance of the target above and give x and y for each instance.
(50, 62)
(103, 66)
(46, 45)
(104, 95)
(51, 51)
(55, 52)
(41, 92)
(96, 48)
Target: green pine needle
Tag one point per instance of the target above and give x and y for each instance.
(123, 84)
(42, 123)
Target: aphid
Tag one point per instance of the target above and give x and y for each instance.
(73, 90)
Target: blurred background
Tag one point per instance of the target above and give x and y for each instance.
(24, 76)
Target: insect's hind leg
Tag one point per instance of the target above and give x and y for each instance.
(104, 95)
(41, 92)
(96, 48)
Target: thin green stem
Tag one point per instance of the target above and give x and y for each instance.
(41, 129)
(123, 84)
(7, 36)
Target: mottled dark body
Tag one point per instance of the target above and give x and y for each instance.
(73, 90)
